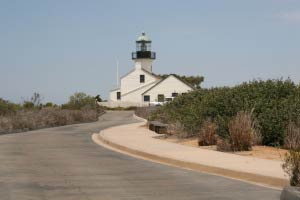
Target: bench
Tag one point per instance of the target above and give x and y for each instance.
(158, 127)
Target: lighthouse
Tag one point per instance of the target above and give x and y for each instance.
(143, 56)
(142, 87)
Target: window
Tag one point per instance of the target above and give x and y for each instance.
(174, 94)
(161, 98)
(142, 78)
(118, 95)
(147, 98)
(169, 99)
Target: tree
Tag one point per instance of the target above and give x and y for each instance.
(80, 100)
(49, 104)
(34, 102)
(194, 81)
(98, 98)
(36, 99)
(28, 105)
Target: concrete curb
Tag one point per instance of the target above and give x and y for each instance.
(139, 118)
(290, 193)
(272, 182)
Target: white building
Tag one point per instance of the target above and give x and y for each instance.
(141, 86)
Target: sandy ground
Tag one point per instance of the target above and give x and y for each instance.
(265, 152)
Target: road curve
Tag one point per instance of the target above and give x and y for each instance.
(64, 163)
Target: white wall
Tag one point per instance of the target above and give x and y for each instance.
(113, 95)
(132, 81)
(136, 96)
(115, 104)
(167, 87)
(143, 63)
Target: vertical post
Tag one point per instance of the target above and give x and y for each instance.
(117, 72)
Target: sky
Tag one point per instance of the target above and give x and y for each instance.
(58, 47)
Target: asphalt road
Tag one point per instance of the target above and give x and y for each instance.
(64, 163)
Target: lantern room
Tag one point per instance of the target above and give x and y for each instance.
(143, 48)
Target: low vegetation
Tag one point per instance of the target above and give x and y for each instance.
(208, 133)
(33, 114)
(292, 138)
(236, 118)
(243, 134)
(292, 167)
(292, 159)
(121, 108)
(144, 112)
(273, 104)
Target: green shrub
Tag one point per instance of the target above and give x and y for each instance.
(28, 105)
(80, 100)
(49, 104)
(7, 107)
(274, 104)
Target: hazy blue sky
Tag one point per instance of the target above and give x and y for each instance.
(58, 47)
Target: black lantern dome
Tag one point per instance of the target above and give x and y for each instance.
(143, 48)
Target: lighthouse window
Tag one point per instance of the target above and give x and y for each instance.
(142, 78)
(118, 95)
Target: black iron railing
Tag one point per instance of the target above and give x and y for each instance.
(143, 54)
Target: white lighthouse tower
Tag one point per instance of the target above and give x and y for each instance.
(140, 86)
(143, 56)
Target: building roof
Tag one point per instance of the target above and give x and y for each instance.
(115, 89)
(151, 74)
(164, 80)
(140, 88)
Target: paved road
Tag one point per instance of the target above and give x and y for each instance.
(64, 163)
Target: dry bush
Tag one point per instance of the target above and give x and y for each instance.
(243, 133)
(292, 167)
(24, 120)
(292, 139)
(207, 135)
(175, 128)
(223, 145)
(292, 159)
(4, 124)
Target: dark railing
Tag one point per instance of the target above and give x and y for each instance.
(143, 54)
